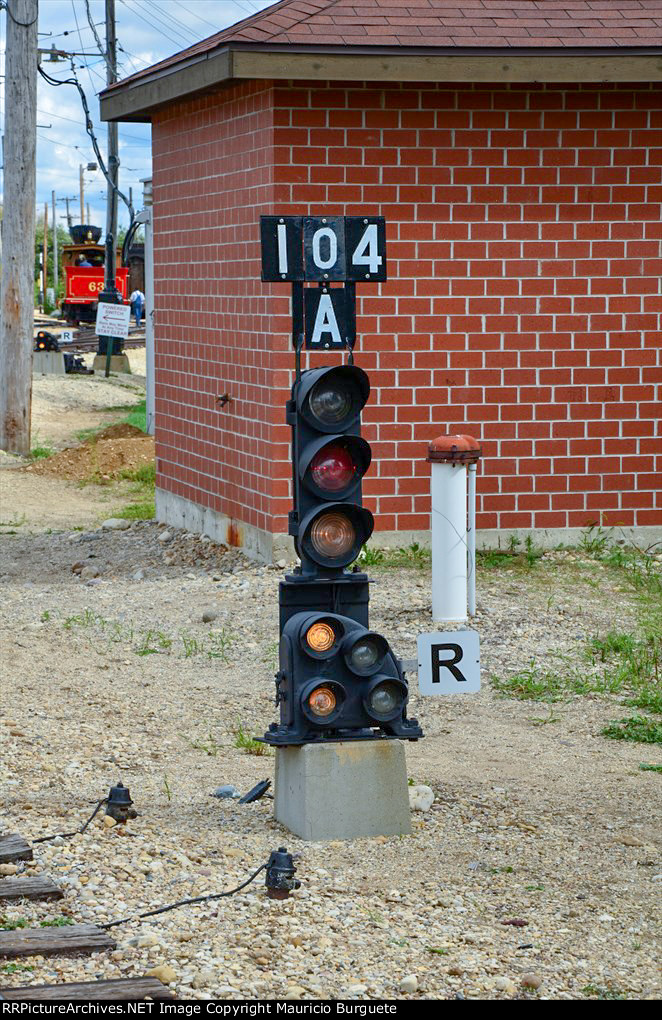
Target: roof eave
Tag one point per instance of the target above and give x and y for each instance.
(138, 99)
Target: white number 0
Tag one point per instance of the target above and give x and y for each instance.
(365, 253)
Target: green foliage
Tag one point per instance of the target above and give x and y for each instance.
(16, 968)
(211, 747)
(143, 511)
(137, 416)
(597, 992)
(41, 451)
(411, 556)
(166, 788)
(56, 922)
(638, 727)
(646, 767)
(248, 744)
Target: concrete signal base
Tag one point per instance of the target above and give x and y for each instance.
(48, 363)
(343, 789)
(118, 363)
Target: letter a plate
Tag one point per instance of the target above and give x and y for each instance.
(449, 662)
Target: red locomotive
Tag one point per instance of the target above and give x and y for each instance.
(83, 263)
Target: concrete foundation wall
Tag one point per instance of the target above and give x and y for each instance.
(267, 548)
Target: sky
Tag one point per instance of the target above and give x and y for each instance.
(147, 31)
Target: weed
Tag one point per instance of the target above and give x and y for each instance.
(56, 922)
(534, 888)
(544, 720)
(370, 556)
(88, 618)
(411, 556)
(143, 511)
(166, 788)
(645, 767)
(145, 474)
(532, 684)
(218, 644)
(45, 616)
(637, 727)
(191, 645)
(137, 415)
(597, 992)
(41, 452)
(211, 748)
(531, 554)
(153, 642)
(16, 968)
(437, 950)
(248, 744)
(595, 540)
(7, 925)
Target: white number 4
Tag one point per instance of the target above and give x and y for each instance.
(365, 253)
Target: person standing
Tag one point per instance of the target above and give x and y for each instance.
(137, 300)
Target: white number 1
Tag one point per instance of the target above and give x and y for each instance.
(365, 253)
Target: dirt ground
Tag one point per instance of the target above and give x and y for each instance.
(535, 873)
(61, 408)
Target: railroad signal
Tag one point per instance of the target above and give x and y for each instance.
(338, 680)
(329, 523)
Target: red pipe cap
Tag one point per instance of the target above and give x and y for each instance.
(454, 449)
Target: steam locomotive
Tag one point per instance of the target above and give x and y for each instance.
(83, 263)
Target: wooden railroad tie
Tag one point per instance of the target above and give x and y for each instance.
(29, 887)
(65, 941)
(14, 848)
(121, 990)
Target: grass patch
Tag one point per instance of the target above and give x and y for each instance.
(137, 415)
(638, 727)
(248, 744)
(41, 452)
(143, 511)
(646, 767)
(211, 747)
(413, 555)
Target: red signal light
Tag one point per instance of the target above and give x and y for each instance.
(333, 468)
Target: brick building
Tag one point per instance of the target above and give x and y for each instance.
(515, 151)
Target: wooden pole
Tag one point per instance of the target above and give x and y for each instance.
(81, 185)
(45, 250)
(18, 227)
(55, 266)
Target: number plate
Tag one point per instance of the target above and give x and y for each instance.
(449, 662)
(323, 249)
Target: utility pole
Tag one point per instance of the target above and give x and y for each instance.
(67, 200)
(81, 187)
(18, 227)
(88, 220)
(109, 345)
(55, 267)
(45, 250)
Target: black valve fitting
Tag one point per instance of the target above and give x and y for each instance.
(118, 804)
(280, 880)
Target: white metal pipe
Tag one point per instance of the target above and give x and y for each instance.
(449, 541)
(471, 539)
(147, 218)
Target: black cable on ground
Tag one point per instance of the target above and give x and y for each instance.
(183, 903)
(66, 835)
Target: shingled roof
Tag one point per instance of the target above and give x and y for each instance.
(448, 23)
(425, 27)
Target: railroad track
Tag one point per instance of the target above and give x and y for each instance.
(70, 939)
(85, 337)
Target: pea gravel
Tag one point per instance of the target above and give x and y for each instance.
(144, 669)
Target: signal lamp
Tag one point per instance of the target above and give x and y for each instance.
(332, 535)
(333, 467)
(385, 698)
(366, 655)
(322, 701)
(336, 398)
(320, 637)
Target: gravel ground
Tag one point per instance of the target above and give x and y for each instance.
(110, 673)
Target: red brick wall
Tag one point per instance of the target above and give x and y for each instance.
(523, 300)
(213, 167)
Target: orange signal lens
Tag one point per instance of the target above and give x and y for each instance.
(320, 637)
(322, 701)
(333, 535)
